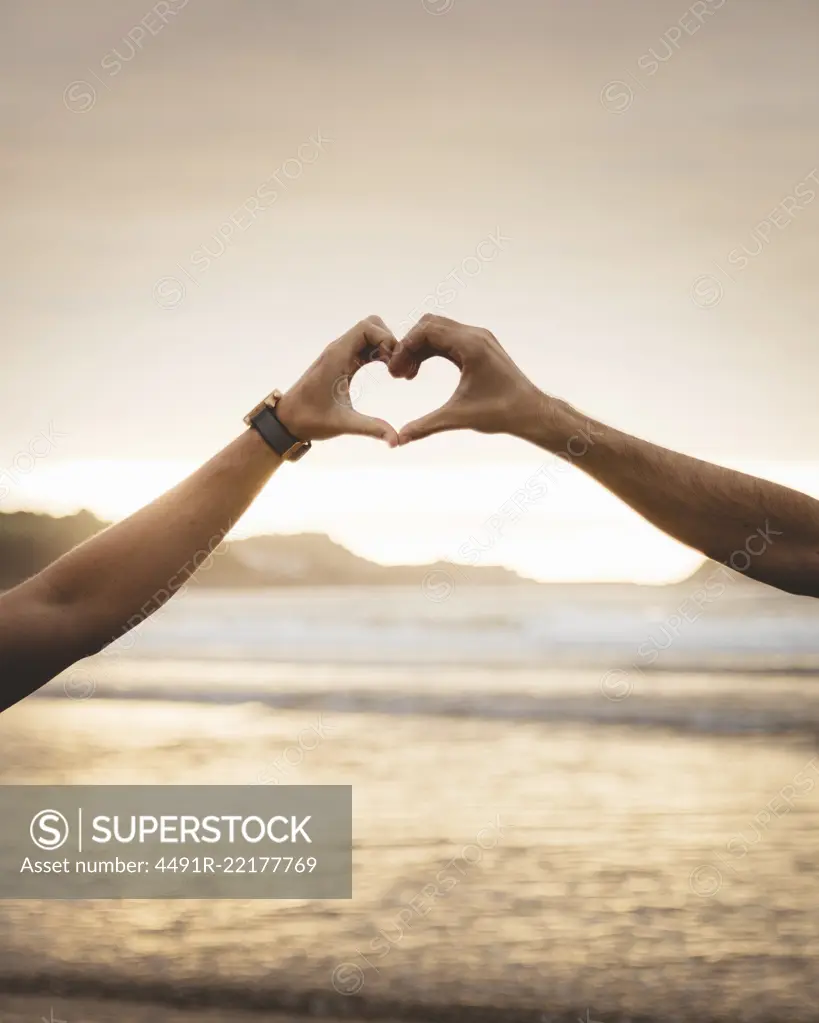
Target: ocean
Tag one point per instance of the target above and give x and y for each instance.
(620, 781)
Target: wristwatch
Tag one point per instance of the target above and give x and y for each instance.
(263, 417)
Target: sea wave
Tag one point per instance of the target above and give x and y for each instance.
(646, 626)
(707, 702)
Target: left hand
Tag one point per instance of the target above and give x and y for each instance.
(318, 406)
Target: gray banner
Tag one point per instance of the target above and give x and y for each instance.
(175, 842)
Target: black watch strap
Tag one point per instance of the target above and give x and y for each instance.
(277, 436)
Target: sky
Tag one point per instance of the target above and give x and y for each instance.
(197, 196)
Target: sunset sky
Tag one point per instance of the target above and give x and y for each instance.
(175, 246)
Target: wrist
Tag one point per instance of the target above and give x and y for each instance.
(265, 419)
(286, 411)
(541, 419)
(297, 417)
(557, 426)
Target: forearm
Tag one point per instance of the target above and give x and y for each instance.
(759, 528)
(110, 583)
(765, 530)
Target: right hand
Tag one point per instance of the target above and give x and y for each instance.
(493, 396)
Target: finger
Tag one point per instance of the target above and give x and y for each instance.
(373, 341)
(406, 367)
(383, 353)
(432, 335)
(360, 425)
(440, 421)
(377, 321)
(405, 363)
(435, 332)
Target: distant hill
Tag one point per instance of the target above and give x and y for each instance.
(29, 542)
(715, 572)
(313, 559)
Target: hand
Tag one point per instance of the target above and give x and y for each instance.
(493, 396)
(319, 407)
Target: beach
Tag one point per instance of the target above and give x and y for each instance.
(529, 842)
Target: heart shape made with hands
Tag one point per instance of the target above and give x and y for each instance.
(373, 387)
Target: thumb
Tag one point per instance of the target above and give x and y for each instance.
(440, 421)
(360, 425)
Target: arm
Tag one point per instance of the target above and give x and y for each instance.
(763, 530)
(109, 584)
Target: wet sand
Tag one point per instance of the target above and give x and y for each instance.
(631, 877)
(35, 1010)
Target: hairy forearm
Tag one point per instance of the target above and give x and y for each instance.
(762, 529)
